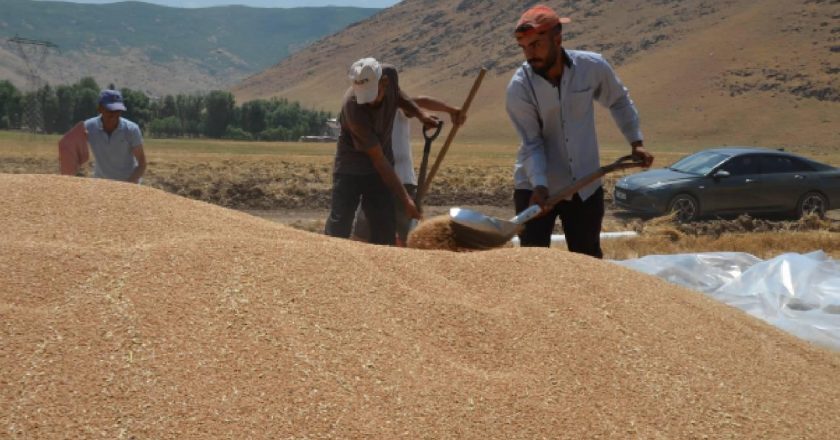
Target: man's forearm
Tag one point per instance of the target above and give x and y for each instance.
(531, 156)
(138, 173)
(411, 109)
(392, 181)
(626, 118)
(140, 157)
(434, 104)
(387, 173)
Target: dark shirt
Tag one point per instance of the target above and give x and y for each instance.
(363, 127)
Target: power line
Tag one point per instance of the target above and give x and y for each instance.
(21, 40)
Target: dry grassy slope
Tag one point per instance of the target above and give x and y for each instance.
(129, 312)
(702, 72)
(7, 71)
(132, 69)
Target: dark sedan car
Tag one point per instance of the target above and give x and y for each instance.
(732, 180)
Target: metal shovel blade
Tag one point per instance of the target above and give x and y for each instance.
(478, 231)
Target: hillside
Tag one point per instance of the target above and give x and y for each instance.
(156, 48)
(702, 73)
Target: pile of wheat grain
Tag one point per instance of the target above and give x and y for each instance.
(126, 312)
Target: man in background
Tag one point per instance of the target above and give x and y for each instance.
(116, 143)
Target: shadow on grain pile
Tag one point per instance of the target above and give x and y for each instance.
(129, 312)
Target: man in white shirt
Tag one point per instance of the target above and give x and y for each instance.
(550, 103)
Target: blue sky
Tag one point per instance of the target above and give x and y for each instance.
(258, 3)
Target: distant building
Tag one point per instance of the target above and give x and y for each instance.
(329, 133)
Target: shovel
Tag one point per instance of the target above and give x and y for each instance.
(423, 185)
(475, 230)
(427, 148)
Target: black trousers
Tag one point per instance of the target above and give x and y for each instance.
(581, 222)
(377, 204)
(361, 228)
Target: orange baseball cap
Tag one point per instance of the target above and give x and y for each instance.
(539, 18)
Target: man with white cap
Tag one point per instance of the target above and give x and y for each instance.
(363, 171)
(404, 164)
(116, 142)
(550, 102)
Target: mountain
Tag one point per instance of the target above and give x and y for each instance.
(155, 48)
(701, 72)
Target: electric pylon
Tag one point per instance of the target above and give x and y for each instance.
(33, 53)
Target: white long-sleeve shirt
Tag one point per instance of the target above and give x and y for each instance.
(565, 148)
(401, 145)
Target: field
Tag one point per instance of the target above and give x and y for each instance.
(290, 183)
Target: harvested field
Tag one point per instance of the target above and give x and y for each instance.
(127, 312)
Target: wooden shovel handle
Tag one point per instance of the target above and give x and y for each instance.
(621, 163)
(424, 186)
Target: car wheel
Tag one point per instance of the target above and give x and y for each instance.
(812, 203)
(686, 208)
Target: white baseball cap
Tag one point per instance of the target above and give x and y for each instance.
(365, 74)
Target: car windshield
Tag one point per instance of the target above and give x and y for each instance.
(699, 163)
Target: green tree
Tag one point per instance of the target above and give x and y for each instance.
(168, 107)
(139, 107)
(219, 114)
(66, 98)
(275, 134)
(167, 127)
(88, 83)
(45, 100)
(283, 114)
(189, 110)
(254, 116)
(290, 121)
(87, 101)
(10, 105)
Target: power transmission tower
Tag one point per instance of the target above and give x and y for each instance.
(33, 53)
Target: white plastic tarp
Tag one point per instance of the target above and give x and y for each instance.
(794, 292)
